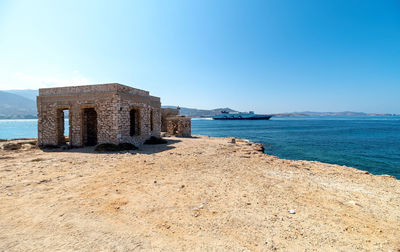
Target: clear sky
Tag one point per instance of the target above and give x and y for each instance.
(269, 56)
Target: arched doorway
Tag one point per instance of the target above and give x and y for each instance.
(89, 127)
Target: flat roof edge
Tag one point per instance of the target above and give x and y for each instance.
(93, 88)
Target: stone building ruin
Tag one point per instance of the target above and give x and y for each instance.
(166, 113)
(175, 124)
(103, 113)
(179, 126)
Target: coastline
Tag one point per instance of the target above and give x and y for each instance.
(193, 193)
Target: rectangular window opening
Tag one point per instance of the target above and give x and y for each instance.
(134, 122)
(63, 127)
(151, 120)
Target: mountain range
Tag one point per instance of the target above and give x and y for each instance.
(21, 104)
(14, 106)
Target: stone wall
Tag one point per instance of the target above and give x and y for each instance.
(112, 103)
(145, 109)
(179, 126)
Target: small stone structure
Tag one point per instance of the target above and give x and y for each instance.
(179, 126)
(174, 124)
(103, 113)
(165, 113)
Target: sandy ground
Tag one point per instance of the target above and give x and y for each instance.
(192, 194)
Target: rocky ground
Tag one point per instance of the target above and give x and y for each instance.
(192, 194)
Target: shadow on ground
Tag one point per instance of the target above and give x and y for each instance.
(144, 149)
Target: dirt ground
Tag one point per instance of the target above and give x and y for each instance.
(192, 194)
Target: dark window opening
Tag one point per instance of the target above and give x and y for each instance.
(89, 126)
(134, 122)
(151, 120)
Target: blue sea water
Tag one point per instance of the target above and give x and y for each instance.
(21, 128)
(367, 143)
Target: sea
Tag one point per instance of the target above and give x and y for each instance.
(367, 143)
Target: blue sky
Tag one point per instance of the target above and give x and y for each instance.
(268, 56)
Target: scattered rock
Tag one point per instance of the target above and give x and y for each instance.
(258, 147)
(166, 226)
(197, 210)
(33, 142)
(164, 134)
(44, 181)
(388, 176)
(351, 202)
(12, 146)
(37, 159)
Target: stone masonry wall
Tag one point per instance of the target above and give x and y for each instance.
(179, 126)
(144, 108)
(48, 133)
(165, 113)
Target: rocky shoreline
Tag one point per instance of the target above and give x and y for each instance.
(200, 193)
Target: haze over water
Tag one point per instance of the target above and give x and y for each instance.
(367, 143)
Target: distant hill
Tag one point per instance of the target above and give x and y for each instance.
(345, 113)
(192, 112)
(310, 113)
(27, 93)
(14, 106)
